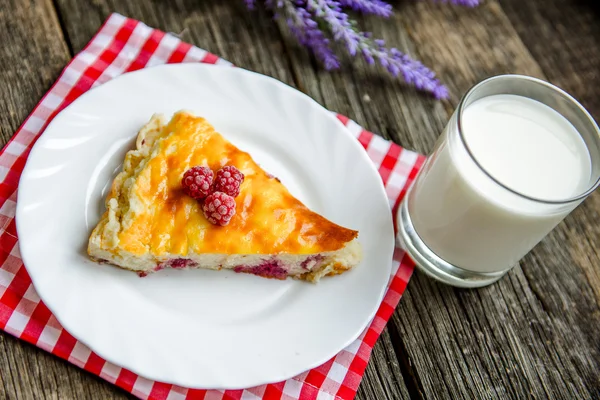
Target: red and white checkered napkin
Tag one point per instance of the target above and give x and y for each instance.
(124, 45)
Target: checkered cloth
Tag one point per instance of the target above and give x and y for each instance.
(124, 45)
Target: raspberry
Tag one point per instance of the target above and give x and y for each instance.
(218, 208)
(197, 181)
(228, 180)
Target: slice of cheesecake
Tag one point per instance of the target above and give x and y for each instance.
(151, 224)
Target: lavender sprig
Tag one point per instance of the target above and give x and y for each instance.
(312, 21)
(308, 34)
(374, 7)
(466, 3)
(393, 60)
(331, 12)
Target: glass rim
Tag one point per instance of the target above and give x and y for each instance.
(547, 85)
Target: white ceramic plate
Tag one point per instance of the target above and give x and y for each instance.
(202, 329)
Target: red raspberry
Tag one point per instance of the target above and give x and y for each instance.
(197, 181)
(228, 180)
(218, 208)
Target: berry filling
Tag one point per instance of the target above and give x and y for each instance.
(177, 263)
(268, 269)
(312, 261)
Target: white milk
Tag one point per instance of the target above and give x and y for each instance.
(474, 223)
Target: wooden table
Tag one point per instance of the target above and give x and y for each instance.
(535, 334)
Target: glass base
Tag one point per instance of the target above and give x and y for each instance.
(432, 265)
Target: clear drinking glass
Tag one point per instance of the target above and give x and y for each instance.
(459, 222)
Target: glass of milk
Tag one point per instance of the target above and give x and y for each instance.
(517, 156)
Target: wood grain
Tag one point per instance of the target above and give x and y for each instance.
(219, 27)
(564, 38)
(566, 42)
(384, 380)
(533, 335)
(32, 54)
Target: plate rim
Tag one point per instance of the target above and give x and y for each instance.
(78, 335)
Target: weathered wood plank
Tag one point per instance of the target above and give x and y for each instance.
(32, 54)
(223, 28)
(530, 335)
(31, 373)
(564, 37)
(383, 378)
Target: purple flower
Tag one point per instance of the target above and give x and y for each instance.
(312, 21)
(331, 12)
(467, 3)
(375, 7)
(412, 71)
(393, 60)
(308, 34)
